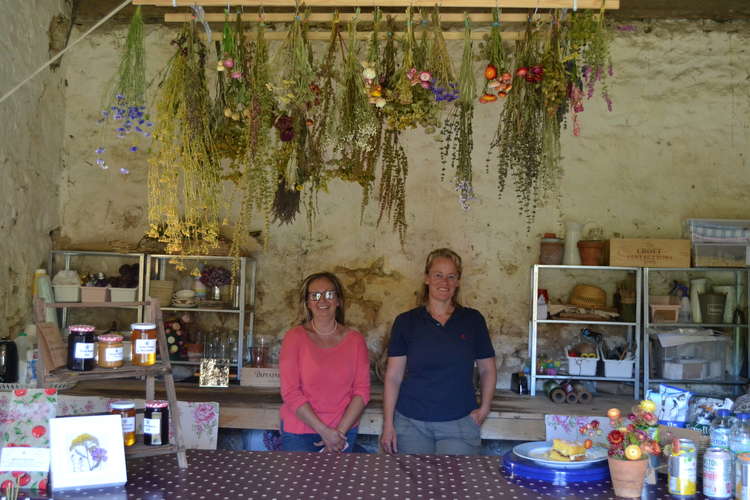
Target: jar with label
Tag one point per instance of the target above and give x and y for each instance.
(126, 410)
(110, 351)
(156, 423)
(81, 348)
(144, 343)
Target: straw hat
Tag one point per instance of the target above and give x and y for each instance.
(589, 296)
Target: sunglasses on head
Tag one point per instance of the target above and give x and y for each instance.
(316, 296)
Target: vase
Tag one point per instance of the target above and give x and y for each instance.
(591, 252)
(627, 476)
(215, 293)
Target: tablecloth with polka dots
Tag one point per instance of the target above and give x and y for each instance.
(224, 474)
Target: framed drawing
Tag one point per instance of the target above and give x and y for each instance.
(87, 452)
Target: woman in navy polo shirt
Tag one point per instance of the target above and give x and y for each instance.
(429, 404)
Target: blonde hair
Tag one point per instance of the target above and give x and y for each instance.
(445, 253)
(336, 286)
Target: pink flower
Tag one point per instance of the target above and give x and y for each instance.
(204, 413)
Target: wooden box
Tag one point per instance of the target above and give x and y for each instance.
(260, 377)
(649, 253)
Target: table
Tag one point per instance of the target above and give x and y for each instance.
(239, 475)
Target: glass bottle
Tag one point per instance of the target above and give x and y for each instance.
(739, 437)
(720, 429)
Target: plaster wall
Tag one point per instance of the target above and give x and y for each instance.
(675, 146)
(31, 132)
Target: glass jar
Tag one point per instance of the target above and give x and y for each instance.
(126, 410)
(110, 351)
(144, 343)
(81, 348)
(156, 423)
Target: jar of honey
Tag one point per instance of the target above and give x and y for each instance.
(126, 410)
(110, 351)
(156, 423)
(81, 348)
(144, 343)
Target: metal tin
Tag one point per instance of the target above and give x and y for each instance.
(742, 477)
(683, 469)
(717, 473)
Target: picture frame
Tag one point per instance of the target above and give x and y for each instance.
(87, 452)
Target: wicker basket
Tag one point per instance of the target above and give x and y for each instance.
(162, 291)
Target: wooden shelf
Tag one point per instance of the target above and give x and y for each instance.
(98, 373)
(489, 4)
(140, 450)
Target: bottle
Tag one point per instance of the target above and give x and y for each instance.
(739, 437)
(720, 429)
(24, 344)
(684, 316)
(541, 309)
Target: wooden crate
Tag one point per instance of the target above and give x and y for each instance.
(649, 253)
(260, 377)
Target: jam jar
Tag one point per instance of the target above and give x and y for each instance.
(126, 410)
(144, 343)
(156, 423)
(81, 348)
(110, 352)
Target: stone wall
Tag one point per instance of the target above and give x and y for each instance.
(675, 146)
(31, 141)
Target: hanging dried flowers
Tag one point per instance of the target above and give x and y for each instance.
(443, 84)
(498, 79)
(184, 178)
(259, 173)
(125, 103)
(518, 140)
(458, 141)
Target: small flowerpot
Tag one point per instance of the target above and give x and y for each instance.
(591, 251)
(627, 476)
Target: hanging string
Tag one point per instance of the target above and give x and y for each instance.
(60, 54)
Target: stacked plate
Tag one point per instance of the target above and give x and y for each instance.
(184, 298)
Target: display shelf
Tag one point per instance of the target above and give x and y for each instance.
(140, 450)
(244, 299)
(162, 368)
(739, 332)
(634, 328)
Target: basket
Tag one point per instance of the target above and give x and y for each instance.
(581, 366)
(616, 368)
(94, 294)
(67, 293)
(162, 291)
(123, 294)
(588, 296)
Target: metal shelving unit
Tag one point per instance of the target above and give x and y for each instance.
(243, 298)
(634, 328)
(69, 256)
(741, 281)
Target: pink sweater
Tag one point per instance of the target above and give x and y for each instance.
(327, 378)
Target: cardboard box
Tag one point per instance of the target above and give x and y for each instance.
(649, 253)
(260, 377)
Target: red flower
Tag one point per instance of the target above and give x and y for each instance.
(38, 431)
(17, 473)
(24, 479)
(615, 437)
(42, 485)
(20, 392)
(6, 484)
(631, 427)
(594, 424)
(50, 392)
(11, 445)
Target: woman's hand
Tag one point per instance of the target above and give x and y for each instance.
(479, 415)
(333, 439)
(388, 440)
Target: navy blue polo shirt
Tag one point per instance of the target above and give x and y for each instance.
(438, 382)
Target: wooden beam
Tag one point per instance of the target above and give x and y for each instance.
(327, 17)
(364, 35)
(519, 4)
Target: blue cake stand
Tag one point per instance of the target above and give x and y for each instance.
(515, 466)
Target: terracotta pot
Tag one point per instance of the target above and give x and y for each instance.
(591, 251)
(627, 476)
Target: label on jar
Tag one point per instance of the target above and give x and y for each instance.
(145, 346)
(84, 350)
(152, 426)
(113, 354)
(128, 424)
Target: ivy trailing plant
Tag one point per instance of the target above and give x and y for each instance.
(458, 141)
(518, 140)
(184, 178)
(124, 108)
(258, 179)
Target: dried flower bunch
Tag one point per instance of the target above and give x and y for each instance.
(215, 276)
(635, 436)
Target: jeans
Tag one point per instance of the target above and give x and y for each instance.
(452, 437)
(304, 442)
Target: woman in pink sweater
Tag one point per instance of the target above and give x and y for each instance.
(325, 373)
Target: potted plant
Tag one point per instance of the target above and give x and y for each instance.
(633, 439)
(214, 278)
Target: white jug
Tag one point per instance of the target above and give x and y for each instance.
(697, 287)
(573, 232)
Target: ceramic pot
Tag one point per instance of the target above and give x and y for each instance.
(591, 252)
(627, 476)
